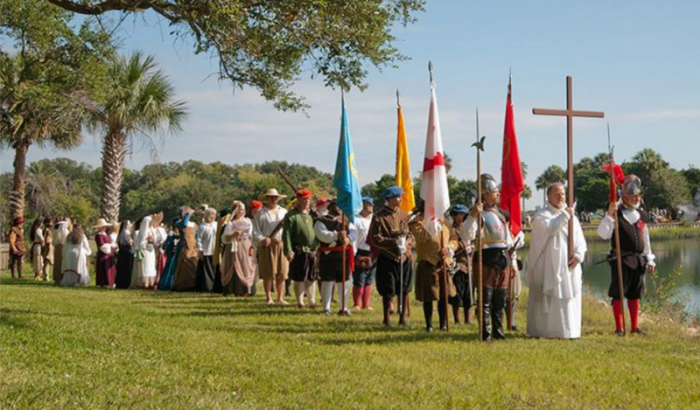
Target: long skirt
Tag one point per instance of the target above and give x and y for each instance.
(206, 274)
(185, 273)
(57, 262)
(238, 274)
(168, 276)
(37, 259)
(125, 266)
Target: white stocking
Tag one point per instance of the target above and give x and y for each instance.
(326, 294)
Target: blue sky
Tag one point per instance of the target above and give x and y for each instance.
(636, 60)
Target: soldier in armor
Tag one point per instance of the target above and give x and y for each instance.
(635, 247)
(336, 236)
(497, 244)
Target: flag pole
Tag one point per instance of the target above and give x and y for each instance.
(479, 144)
(618, 252)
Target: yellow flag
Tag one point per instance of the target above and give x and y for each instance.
(403, 167)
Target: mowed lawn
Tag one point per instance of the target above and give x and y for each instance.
(94, 348)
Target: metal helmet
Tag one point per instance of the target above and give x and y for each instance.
(632, 185)
(488, 184)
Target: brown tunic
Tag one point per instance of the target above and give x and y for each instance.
(16, 240)
(430, 274)
(387, 225)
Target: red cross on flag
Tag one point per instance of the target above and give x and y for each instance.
(433, 189)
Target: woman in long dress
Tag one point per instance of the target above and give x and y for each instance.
(186, 270)
(47, 248)
(60, 230)
(75, 258)
(172, 250)
(238, 273)
(125, 257)
(161, 256)
(144, 274)
(36, 235)
(105, 267)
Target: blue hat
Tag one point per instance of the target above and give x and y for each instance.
(459, 209)
(393, 192)
(368, 200)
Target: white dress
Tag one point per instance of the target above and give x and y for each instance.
(74, 265)
(144, 273)
(554, 307)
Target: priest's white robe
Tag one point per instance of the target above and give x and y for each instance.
(554, 307)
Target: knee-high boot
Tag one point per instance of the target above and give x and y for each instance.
(498, 304)
(486, 324)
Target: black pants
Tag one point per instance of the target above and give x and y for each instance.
(632, 280)
(388, 276)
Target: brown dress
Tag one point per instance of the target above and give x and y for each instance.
(186, 271)
(238, 273)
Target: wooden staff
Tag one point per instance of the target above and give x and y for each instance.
(618, 252)
(445, 283)
(479, 144)
(342, 221)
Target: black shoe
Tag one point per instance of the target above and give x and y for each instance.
(443, 328)
(620, 332)
(639, 331)
(429, 329)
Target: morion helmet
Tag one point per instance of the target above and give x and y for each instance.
(488, 184)
(632, 185)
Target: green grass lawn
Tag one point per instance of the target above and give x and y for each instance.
(95, 348)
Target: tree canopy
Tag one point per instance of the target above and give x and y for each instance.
(269, 44)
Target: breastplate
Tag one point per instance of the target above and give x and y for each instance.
(495, 235)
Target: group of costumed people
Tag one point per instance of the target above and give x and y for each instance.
(306, 246)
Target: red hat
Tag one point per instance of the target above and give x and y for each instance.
(255, 204)
(18, 220)
(304, 194)
(321, 202)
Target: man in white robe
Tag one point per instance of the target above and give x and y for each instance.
(554, 308)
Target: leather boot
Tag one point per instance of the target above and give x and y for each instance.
(441, 315)
(498, 305)
(428, 313)
(486, 325)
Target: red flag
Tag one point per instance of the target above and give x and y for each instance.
(512, 183)
(618, 178)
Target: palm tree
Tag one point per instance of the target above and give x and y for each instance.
(526, 194)
(34, 111)
(141, 101)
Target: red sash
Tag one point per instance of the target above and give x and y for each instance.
(350, 253)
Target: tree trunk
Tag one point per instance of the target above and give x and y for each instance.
(20, 181)
(113, 155)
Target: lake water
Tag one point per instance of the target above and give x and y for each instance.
(670, 254)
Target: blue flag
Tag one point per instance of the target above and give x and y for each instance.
(345, 181)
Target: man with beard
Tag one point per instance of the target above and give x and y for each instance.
(554, 276)
(635, 249)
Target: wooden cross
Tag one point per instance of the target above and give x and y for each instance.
(569, 113)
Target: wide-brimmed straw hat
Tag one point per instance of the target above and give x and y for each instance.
(102, 223)
(271, 192)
